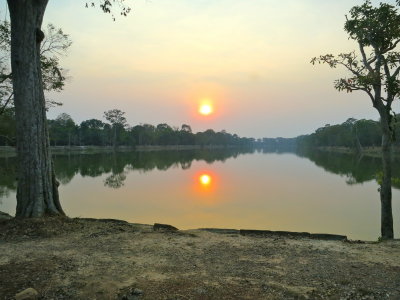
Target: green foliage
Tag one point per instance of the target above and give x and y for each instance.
(63, 131)
(368, 133)
(115, 117)
(395, 180)
(118, 123)
(377, 27)
(92, 132)
(375, 67)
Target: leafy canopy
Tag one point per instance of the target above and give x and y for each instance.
(107, 7)
(115, 117)
(375, 67)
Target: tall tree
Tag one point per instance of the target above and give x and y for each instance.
(37, 193)
(61, 129)
(118, 122)
(374, 69)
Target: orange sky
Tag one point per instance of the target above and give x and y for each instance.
(250, 58)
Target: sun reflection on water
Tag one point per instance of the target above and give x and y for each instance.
(205, 184)
(205, 179)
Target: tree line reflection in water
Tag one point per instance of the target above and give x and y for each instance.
(118, 164)
(355, 169)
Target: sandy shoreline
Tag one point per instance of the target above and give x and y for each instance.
(103, 259)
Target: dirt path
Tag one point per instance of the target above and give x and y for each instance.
(93, 259)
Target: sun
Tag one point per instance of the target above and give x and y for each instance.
(205, 109)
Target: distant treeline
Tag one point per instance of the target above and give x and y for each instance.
(350, 134)
(63, 131)
(279, 144)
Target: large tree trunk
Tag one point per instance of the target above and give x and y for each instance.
(386, 185)
(37, 193)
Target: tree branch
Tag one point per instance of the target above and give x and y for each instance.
(356, 73)
(386, 67)
(396, 73)
(349, 85)
(367, 64)
(391, 47)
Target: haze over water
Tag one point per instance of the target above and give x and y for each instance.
(325, 193)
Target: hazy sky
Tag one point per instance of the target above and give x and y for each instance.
(250, 58)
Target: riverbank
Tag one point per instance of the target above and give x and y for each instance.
(367, 151)
(6, 151)
(108, 259)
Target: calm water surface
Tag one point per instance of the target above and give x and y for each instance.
(315, 192)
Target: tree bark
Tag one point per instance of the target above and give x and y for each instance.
(37, 193)
(386, 185)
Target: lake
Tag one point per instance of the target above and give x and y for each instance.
(318, 192)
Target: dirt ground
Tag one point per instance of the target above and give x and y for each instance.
(107, 259)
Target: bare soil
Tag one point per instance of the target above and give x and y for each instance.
(108, 259)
